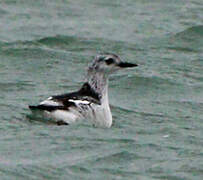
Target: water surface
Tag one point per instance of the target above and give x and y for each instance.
(45, 47)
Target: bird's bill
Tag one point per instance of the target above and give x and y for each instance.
(126, 65)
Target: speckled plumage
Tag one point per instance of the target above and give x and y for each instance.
(91, 101)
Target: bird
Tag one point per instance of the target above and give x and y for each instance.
(91, 100)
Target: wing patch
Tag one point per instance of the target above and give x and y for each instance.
(50, 102)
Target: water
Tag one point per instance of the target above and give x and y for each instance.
(157, 133)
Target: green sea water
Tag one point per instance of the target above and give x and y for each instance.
(157, 132)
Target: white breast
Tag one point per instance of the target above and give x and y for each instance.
(101, 116)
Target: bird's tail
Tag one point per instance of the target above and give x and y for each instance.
(34, 108)
(45, 107)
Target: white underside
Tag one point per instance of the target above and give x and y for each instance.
(99, 115)
(61, 115)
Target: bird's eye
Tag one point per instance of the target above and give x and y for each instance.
(109, 61)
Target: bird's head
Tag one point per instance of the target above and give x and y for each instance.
(108, 63)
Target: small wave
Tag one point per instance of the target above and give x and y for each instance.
(183, 49)
(78, 44)
(189, 40)
(119, 156)
(70, 43)
(58, 39)
(188, 103)
(3, 12)
(123, 110)
(190, 33)
(11, 86)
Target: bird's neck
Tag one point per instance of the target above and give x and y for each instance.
(99, 83)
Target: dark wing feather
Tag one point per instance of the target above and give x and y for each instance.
(85, 93)
(46, 107)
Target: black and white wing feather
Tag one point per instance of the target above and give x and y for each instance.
(85, 96)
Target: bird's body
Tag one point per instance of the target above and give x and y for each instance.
(91, 101)
(82, 104)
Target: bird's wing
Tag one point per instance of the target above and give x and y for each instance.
(64, 102)
(85, 96)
